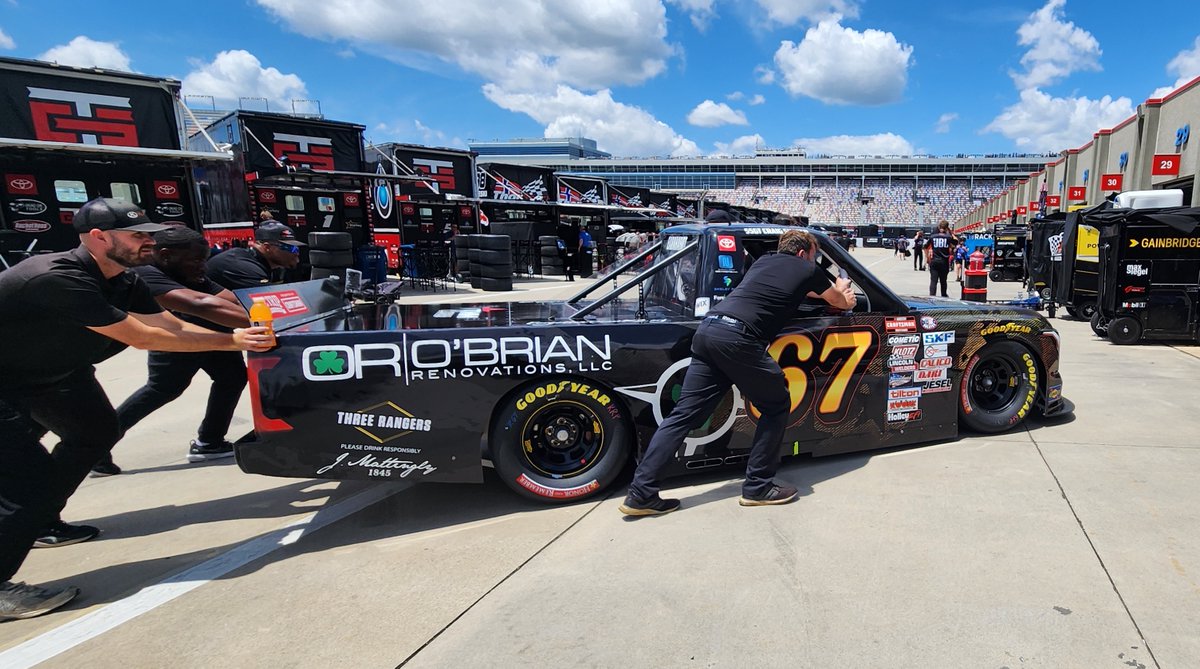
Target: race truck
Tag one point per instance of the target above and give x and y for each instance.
(560, 397)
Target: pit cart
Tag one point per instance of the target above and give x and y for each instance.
(1043, 250)
(1008, 254)
(1076, 276)
(560, 396)
(1149, 274)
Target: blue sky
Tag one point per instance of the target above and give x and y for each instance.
(653, 77)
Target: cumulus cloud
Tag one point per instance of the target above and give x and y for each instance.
(839, 65)
(790, 12)
(701, 12)
(764, 75)
(6, 42)
(1041, 122)
(882, 144)
(943, 123)
(709, 114)
(1185, 66)
(621, 129)
(735, 96)
(1056, 48)
(86, 52)
(742, 146)
(239, 74)
(528, 46)
(757, 100)
(415, 132)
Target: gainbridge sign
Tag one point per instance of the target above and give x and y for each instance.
(78, 108)
(1161, 244)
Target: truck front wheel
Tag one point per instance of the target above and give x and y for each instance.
(560, 440)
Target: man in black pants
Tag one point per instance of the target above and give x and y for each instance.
(729, 348)
(61, 313)
(938, 251)
(918, 250)
(178, 283)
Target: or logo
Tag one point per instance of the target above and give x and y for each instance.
(302, 150)
(31, 226)
(937, 351)
(21, 184)
(81, 118)
(930, 374)
(27, 207)
(936, 363)
(726, 243)
(1086, 174)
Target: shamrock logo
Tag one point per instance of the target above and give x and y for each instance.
(329, 362)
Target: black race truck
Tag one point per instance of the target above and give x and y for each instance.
(561, 396)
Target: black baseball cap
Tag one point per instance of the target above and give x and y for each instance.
(106, 213)
(274, 231)
(719, 216)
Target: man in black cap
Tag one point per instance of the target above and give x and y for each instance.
(178, 282)
(60, 314)
(274, 247)
(719, 216)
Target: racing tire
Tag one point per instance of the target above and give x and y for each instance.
(330, 241)
(491, 257)
(1124, 330)
(548, 240)
(495, 271)
(493, 242)
(475, 280)
(495, 283)
(1099, 325)
(999, 387)
(460, 241)
(334, 259)
(560, 440)
(462, 265)
(1086, 310)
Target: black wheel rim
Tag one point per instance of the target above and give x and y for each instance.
(562, 439)
(994, 383)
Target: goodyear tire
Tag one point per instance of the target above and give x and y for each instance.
(1124, 330)
(560, 440)
(999, 387)
(1099, 325)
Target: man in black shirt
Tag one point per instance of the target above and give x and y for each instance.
(729, 348)
(178, 282)
(938, 251)
(61, 313)
(274, 247)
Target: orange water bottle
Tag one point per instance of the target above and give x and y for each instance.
(261, 316)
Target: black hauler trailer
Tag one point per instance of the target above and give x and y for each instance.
(1008, 253)
(1043, 250)
(1149, 274)
(68, 135)
(1076, 276)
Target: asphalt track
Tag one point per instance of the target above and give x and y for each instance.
(1069, 543)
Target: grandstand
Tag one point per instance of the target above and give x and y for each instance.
(911, 191)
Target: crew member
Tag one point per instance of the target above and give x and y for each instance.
(918, 250)
(275, 247)
(568, 246)
(586, 248)
(729, 348)
(63, 313)
(938, 250)
(178, 283)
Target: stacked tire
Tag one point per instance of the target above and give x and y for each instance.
(330, 253)
(552, 264)
(491, 264)
(462, 257)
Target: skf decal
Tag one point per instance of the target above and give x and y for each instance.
(1005, 328)
(931, 338)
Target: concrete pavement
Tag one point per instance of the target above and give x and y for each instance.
(1067, 544)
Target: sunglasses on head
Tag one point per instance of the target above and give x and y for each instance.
(290, 248)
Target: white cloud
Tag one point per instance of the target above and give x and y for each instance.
(1185, 66)
(701, 12)
(943, 123)
(415, 132)
(709, 114)
(6, 42)
(1041, 122)
(839, 65)
(790, 12)
(735, 96)
(621, 129)
(742, 146)
(85, 52)
(239, 74)
(757, 100)
(1056, 48)
(764, 75)
(882, 144)
(527, 45)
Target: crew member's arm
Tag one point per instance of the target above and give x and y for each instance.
(840, 295)
(164, 332)
(222, 308)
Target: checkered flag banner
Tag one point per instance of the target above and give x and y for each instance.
(535, 190)
(1056, 242)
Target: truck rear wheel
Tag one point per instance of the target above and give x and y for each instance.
(999, 387)
(560, 440)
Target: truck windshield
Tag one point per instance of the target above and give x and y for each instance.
(673, 289)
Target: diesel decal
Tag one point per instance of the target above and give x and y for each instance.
(938, 386)
(1005, 328)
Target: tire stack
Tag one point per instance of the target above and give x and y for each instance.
(491, 262)
(462, 262)
(552, 264)
(330, 253)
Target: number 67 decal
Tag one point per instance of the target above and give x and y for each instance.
(842, 352)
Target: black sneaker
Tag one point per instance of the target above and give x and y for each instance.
(18, 601)
(63, 534)
(655, 507)
(199, 452)
(105, 467)
(777, 494)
